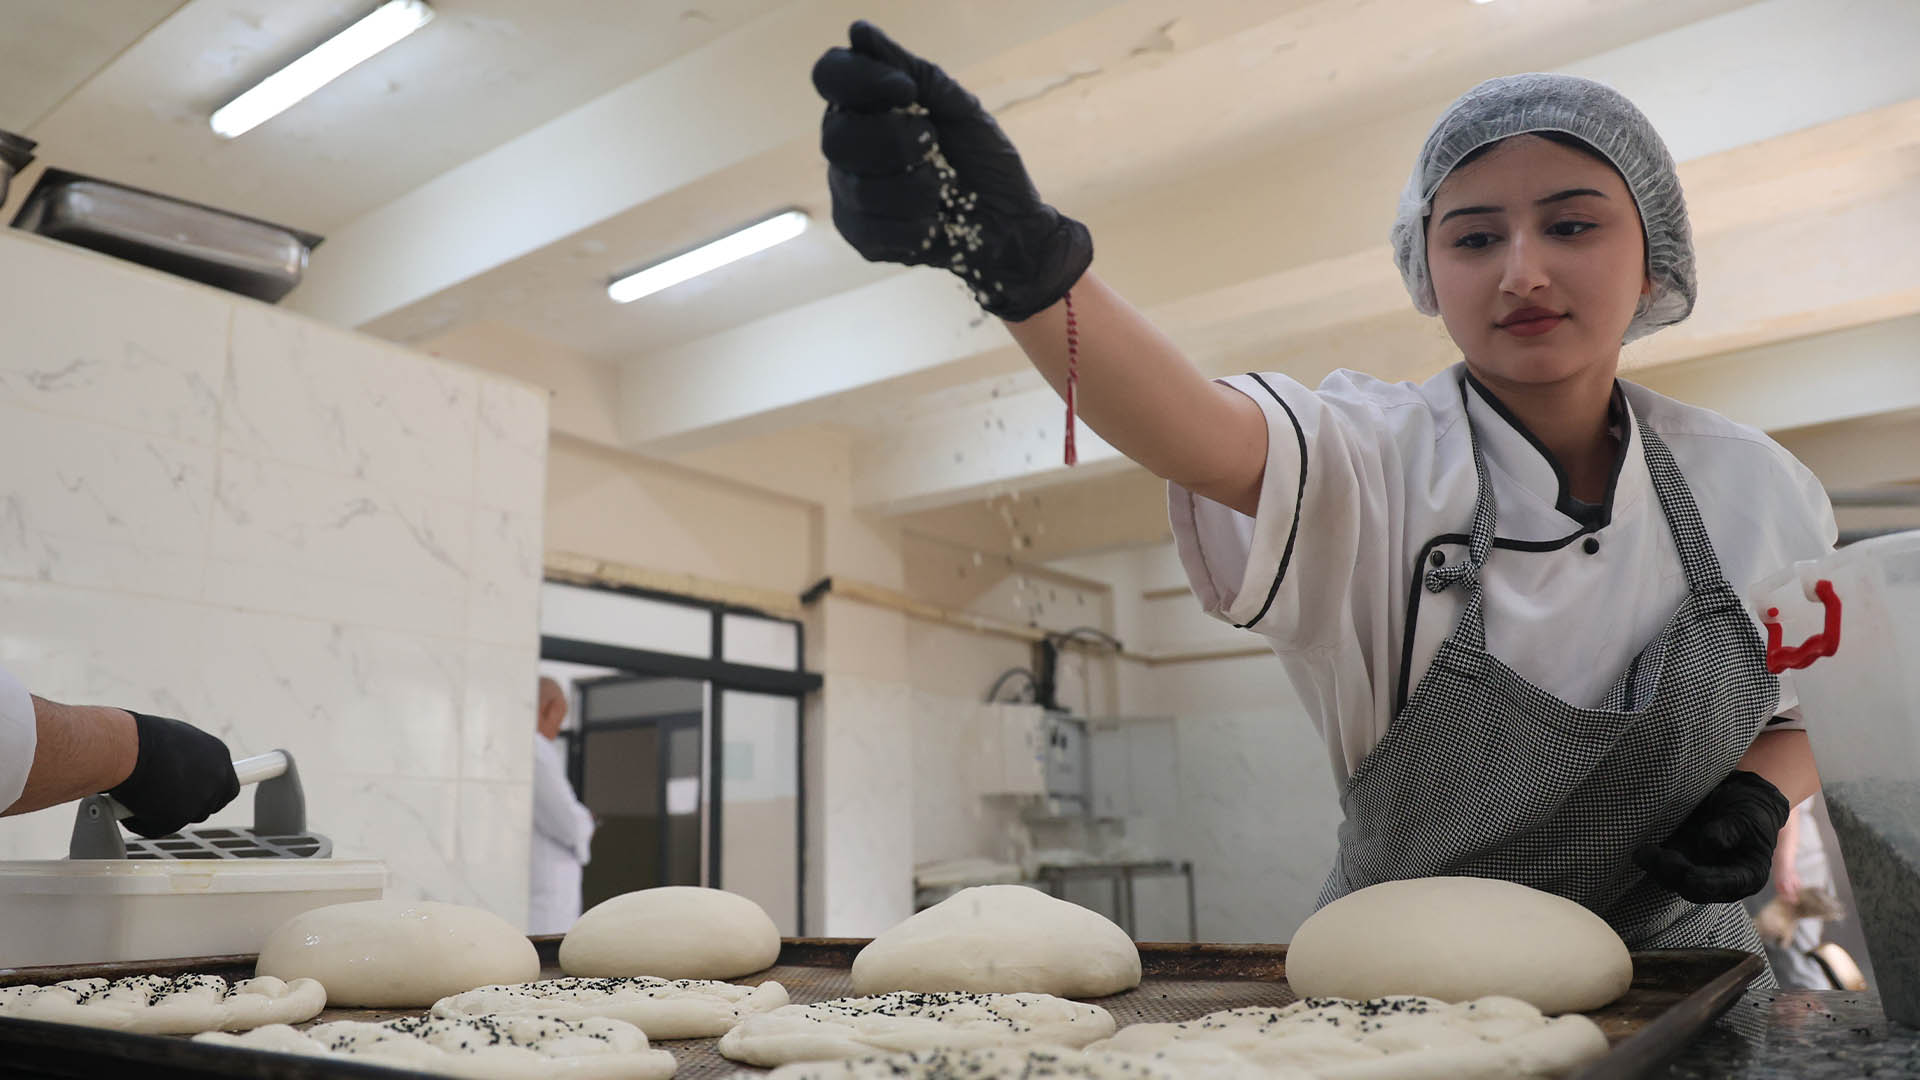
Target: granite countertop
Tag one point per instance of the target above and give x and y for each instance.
(1800, 1035)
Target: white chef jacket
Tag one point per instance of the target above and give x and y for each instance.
(18, 736)
(1367, 482)
(562, 843)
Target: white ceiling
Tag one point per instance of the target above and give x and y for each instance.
(482, 72)
(51, 47)
(1237, 160)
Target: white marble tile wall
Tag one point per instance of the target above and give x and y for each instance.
(865, 827)
(1259, 821)
(291, 535)
(1256, 809)
(956, 762)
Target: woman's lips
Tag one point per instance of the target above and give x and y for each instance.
(1533, 327)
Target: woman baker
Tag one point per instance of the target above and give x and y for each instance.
(1508, 596)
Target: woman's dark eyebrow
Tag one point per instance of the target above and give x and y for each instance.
(1558, 196)
(1570, 193)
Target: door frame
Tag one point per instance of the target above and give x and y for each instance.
(720, 676)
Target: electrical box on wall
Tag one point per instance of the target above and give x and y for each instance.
(1064, 758)
(1013, 750)
(1039, 754)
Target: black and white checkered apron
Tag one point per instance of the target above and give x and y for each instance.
(1483, 774)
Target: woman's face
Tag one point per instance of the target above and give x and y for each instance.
(1537, 261)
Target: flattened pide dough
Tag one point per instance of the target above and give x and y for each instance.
(681, 1009)
(167, 1005)
(886, 1023)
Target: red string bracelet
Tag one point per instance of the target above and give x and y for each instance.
(1073, 374)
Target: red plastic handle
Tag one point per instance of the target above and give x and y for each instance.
(1781, 657)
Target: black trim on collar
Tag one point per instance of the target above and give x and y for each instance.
(1618, 406)
(1563, 497)
(1299, 497)
(1419, 587)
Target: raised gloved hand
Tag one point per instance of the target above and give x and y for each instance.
(921, 175)
(181, 776)
(1723, 851)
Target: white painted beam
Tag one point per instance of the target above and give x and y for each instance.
(744, 381)
(1855, 455)
(976, 451)
(1847, 375)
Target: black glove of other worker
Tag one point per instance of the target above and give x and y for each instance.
(921, 175)
(1723, 851)
(181, 777)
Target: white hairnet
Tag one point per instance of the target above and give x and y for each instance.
(1591, 111)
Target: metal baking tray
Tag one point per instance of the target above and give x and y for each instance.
(226, 250)
(1675, 994)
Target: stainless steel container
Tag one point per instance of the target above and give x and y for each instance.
(240, 254)
(16, 152)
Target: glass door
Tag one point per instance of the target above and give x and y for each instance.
(759, 794)
(642, 771)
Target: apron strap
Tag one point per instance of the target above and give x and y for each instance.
(1702, 566)
(1471, 629)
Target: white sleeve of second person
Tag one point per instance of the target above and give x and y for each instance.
(1289, 571)
(557, 814)
(18, 736)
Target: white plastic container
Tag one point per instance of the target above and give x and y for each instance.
(93, 911)
(1847, 626)
(1860, 692)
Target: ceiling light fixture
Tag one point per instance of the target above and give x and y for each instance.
(329, 60)
(733, 247)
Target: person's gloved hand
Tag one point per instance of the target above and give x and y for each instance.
(1723, 851)
(181, 776)
(921, 175)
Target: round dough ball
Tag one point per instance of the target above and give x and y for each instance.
(1001, 939)
(398, 953)
(1457, 939)
(673, 932)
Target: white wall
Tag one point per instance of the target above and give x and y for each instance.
(286, 534)
(1255, 805)
(615, 506)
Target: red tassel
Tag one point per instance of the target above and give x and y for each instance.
(1073, 375)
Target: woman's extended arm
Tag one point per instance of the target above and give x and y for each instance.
(1142, 394)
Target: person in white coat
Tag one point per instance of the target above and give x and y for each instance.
(562, 825)
(1510, 596)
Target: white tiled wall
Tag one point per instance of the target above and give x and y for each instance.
(288, 534)
(1256, 808)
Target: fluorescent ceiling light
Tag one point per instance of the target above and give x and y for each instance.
(283, 89)
(732, 248)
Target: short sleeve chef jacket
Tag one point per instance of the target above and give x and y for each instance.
(1369, 484)
(17, 738)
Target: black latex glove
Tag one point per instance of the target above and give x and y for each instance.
(181, 777)
(1723, 851)
(921, 175)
